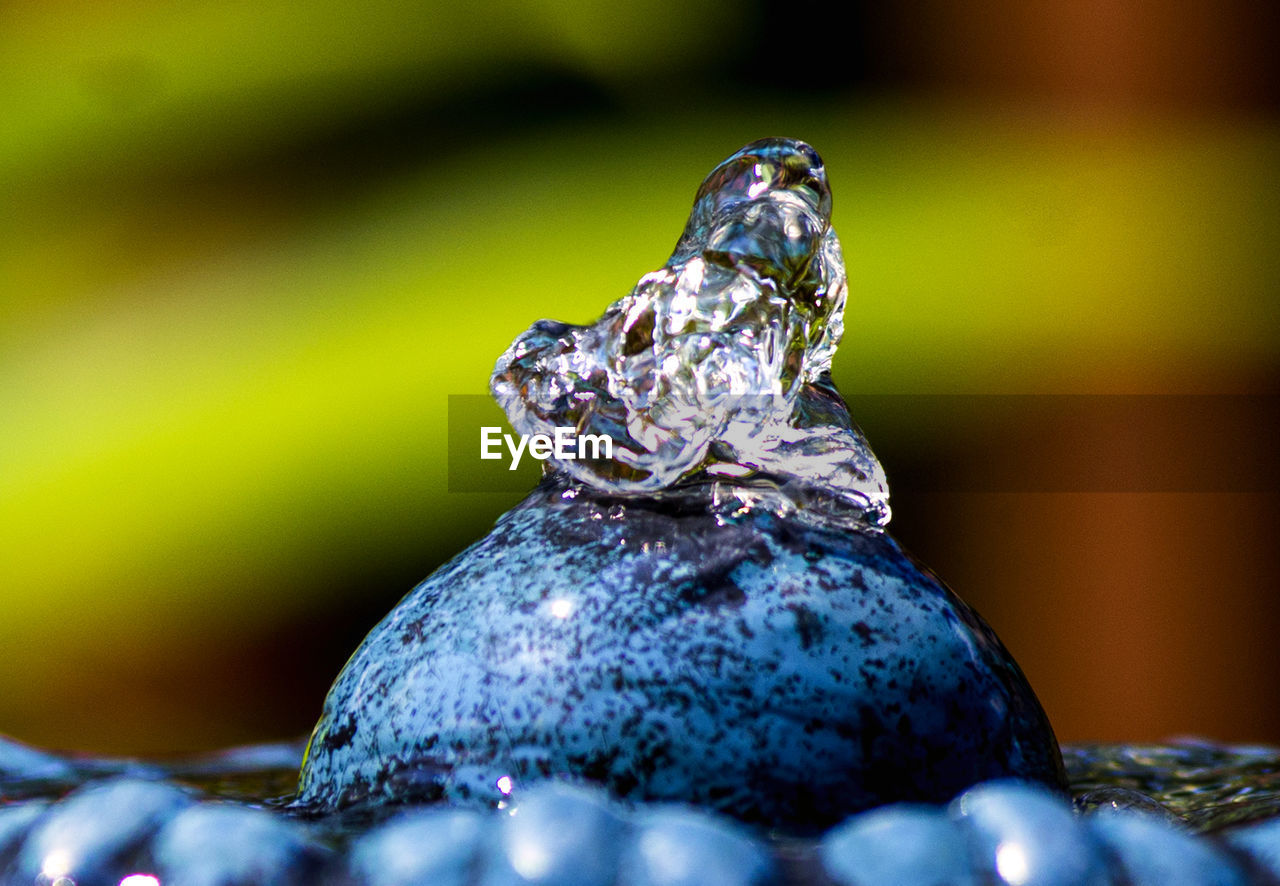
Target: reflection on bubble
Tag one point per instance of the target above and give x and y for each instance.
(1011, 863)
(56, 864)
(140, 880)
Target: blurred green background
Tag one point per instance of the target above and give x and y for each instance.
(250, 249)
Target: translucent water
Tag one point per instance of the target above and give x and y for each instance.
(715, 366)
(1206, 787)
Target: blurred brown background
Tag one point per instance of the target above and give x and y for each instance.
(249, 249)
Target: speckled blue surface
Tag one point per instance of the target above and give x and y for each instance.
(782, 672)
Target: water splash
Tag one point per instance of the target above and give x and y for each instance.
(716, 366)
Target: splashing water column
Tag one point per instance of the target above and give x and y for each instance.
(717, 363)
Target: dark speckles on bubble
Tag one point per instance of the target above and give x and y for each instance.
(865, 633)
(745, 685)
(722, 592)
(340, 736)
(412, 633)
(809, 627)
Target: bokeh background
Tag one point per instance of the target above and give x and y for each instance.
(248, 250)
